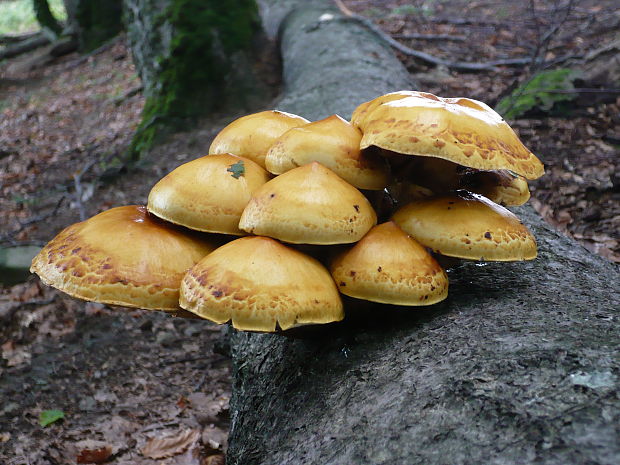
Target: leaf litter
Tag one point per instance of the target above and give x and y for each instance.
(129, 378)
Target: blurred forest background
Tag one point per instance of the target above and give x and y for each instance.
(81, 120)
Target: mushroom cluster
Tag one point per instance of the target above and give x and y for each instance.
(362, 208)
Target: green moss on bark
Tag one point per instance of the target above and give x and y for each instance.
(198, 74)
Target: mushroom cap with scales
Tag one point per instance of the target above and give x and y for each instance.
(465, 131)
(334, 143)
(309, 205)
(122, 256)
(207, 194)
(388, 266)
(466, 225)
(251, 136)
(258, 284)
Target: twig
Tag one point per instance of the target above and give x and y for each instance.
(490, 65)
(24, 46)
(13, 39)
(430, 37)
(9, 237)
(78, 61)
(126, 95)
(77, 181)
(203, 380)
(540, 51)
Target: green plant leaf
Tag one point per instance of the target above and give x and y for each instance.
(237, 169)
(543, 91)
(47, 417)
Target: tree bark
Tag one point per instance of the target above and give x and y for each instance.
(96, 22)
(521, 363)
(194, 57)
(45, 18)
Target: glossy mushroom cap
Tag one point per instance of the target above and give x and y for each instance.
(388, 266)
(334, 143)
(467, 225)
(251, 136)
(259, 284)
(208, 194)
(502, 186)
(122, 256)
(359, 114)
(461, 130)
(309, 205)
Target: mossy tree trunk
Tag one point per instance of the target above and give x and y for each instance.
(96, 21)
(45, 17)
(193, 57)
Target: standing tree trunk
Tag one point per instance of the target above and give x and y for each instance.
(194, 57)
(45, 18)
(96, 21)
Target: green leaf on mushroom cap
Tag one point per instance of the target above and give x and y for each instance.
(236, 169)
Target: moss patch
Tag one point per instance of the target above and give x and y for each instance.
(196, 74)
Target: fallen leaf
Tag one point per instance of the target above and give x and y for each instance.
(160, 448)
(47, 417)
(94, 455)
(4, 437)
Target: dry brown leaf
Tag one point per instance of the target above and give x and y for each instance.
(161, 448)
(99, 455)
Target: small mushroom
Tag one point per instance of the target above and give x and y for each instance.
(260, 284)
(208, 194)
(122, 256)
(502, 186)
(467, 225)
(251, 136)
(334, 143)
(309, 205)
(388, 266)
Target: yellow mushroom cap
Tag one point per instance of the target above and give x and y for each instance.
(334, 143)
(461, 130)
(309, 205)
(122, 256)
(360, 113)
(259, 283)
(501, 186)
(467, 225)
(251, 136)
(388, 266)
(208, 194)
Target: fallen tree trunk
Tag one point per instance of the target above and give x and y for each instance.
(519, 365)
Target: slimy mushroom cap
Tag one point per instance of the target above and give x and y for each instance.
(260, 284)
(388, 266)
(467, 225)
(122, 256)
(207, 194)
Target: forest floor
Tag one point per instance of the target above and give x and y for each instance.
(144, 388)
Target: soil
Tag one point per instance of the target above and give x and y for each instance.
(144, 387)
